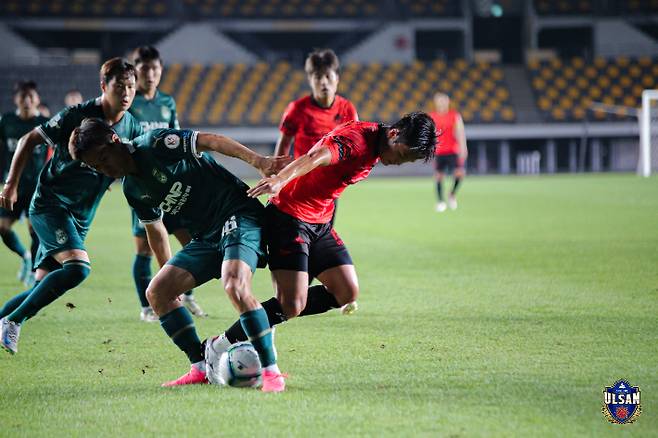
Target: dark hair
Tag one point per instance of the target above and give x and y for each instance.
(321, 60)
(146, 54)
(24, 86)
(417, 131)
(91, 134)
(115, 68)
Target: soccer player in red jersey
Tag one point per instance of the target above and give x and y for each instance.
(451, 151)
(301, 240)
(307, 119)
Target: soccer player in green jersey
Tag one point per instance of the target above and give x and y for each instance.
(14, 125)
(154, 109)
(66, 198)
(166, 172)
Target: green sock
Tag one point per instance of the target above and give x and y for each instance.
(179, 326)
(16, 301)
(10, 238)
(142, 277)
(51, 287)
(257, 328)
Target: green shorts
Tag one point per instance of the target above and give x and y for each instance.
(241, 240)
(58, 231)
(171, 223)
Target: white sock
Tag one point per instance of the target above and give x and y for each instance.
(144, 309)
(273, 368)
(201, 366)
(221, 344)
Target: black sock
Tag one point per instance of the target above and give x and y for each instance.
(455, 185)
(439, 190)
(275, 316)
(319, 300)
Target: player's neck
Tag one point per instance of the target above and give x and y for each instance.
(324, 103)
(26, 115)
(111, 116)
(148, 94)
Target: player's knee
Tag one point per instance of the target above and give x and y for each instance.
(438, 177)
(236, 287)
(347, 294)
(143, 248)
(4, 228)
(292, 307)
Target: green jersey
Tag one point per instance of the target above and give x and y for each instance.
(156, 113)
(173, 178)
(69, 183)
(12, 128)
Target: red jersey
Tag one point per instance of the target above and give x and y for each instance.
(308, 122)
(354, 152)
(446, 141)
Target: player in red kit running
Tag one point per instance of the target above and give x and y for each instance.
(451, 151)
(306, 120)
(301, 240)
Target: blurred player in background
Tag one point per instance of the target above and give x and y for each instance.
(165, 171)
(66, 198)
(44, 110)
(72, 97)
(451, 151)
(301, 240)
(307, 119)
(154, 110)
(14, 125)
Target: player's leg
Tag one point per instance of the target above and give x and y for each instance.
(74, 269)
(183, 236)
(458, 175)
(142, 268)
(34, 248)
(237, 270)
(13, 242)
(438, 177)
(163, 294)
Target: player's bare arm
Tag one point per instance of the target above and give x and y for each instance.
(218, 143)
(460, 133)
(316, 157)
(24, 151)
(282, 146)
(158, 239)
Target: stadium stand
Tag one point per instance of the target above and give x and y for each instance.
(563, 7)
(237, 9)
(565, 89)
(241, 95)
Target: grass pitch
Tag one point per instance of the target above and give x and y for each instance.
(506, 317)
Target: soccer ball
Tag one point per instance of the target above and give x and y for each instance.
(238, 366)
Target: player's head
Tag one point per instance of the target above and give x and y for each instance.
(322, 69)
(149, 68)
(118, 79)
(411, 138)
(73, 97)
(99, 147)
(26, 97)
(441, 102)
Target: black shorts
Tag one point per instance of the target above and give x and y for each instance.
(296, 245)
(22, 206)
(446, 163)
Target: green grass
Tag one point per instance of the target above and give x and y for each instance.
(506, 317)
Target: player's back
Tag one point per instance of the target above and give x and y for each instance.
(445, 122)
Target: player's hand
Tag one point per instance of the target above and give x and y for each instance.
(8, 197)
(268, 166)
(271, 185)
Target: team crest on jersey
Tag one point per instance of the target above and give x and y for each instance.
(161, 177)
(172, 141)
(621, 402)
(166, 112)
(60, 236)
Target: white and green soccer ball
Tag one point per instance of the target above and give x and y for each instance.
(238, 366)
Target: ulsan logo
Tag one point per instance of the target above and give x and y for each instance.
(621, 402)
(176, 198)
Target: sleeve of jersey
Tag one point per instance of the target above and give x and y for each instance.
(353, 114)
(288, 125)
(51, 131)
(145, 213)
(173, 123)
(342, 148)
(176, 144)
